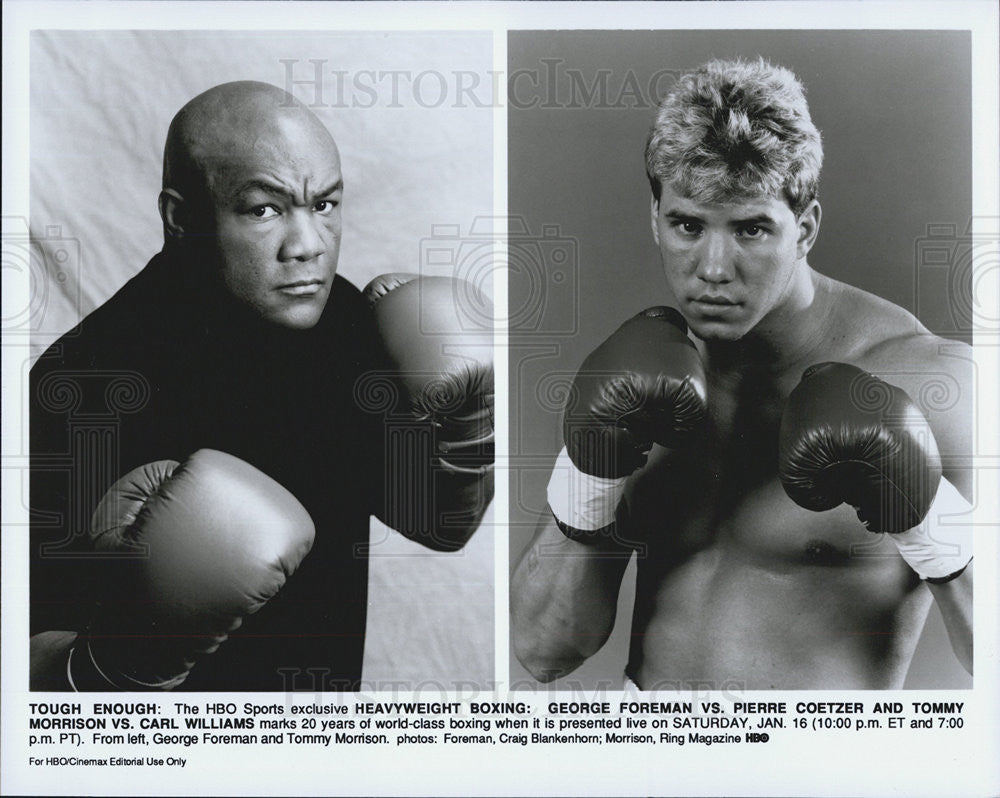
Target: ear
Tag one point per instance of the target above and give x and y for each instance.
(173, 213)
(654, 214)
(808, 221)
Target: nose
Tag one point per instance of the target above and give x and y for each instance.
(303, 237)
(715, 259)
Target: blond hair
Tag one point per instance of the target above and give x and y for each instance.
(733, 130)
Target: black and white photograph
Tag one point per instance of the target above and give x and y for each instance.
(500, 398)
(757, 372)
(253, 362)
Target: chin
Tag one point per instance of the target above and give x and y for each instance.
(716, 331)
(299, 322)
(297, 318)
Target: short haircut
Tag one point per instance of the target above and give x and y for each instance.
(732, 130)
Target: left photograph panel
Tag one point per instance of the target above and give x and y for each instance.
(259, 361)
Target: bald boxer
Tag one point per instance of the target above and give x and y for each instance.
(762, 444)
(205, 460)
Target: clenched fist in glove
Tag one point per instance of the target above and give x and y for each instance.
(847, 436)
(438, 340)
(192, 549)
(645, 384)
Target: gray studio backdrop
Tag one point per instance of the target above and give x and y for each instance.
(418, 163)
(894, 108)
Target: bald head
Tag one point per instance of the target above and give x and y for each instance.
(235, 122)
(252, 190)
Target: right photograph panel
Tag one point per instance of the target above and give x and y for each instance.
(740, 309)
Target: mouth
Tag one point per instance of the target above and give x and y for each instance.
(712, 303)
(301, 288)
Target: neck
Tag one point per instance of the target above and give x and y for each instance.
(195, 278)
(784, 338)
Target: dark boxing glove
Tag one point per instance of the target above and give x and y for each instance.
(847, 436)
(437, 335)
(193, 549)
(645, 384)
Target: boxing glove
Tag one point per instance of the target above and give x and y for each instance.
(645, 384)
(193, 549)
(437, 336)
(847, 436)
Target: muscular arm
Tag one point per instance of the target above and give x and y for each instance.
(954, 599)
(643, 385)
(564, 596)
(939, 375)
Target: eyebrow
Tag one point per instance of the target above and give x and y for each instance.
(755, 219)
(268, 187)
(672, 214)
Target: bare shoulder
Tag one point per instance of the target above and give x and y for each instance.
(893, 344)
(884, 338)
(920, 354)
(937, 373)
(866, 319)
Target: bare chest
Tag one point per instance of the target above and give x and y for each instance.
(723, 493)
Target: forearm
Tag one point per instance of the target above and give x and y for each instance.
(564, 597)
(954, 599)
(940, 551)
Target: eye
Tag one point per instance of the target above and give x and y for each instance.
(750, 231)
(687, 227)
(263, 212)
(325, 206)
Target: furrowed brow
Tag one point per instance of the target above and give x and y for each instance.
(278, 190)
(338, 186)
(264, 186)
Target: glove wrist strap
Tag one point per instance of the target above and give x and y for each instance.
(580, 501)
(943, 580)
(937, 550)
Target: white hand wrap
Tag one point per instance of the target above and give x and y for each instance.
(937, 548)
(580, 500)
